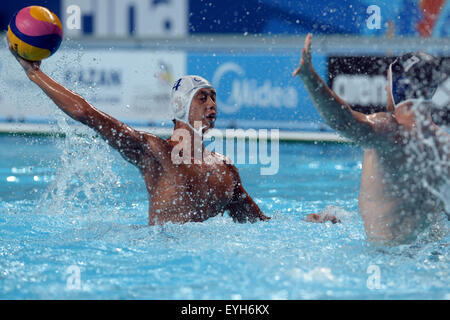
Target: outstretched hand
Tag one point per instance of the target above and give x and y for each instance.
(27, 65)
(322, 218)
(305, 64)
(263, 217)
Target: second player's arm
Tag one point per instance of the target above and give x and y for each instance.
(359, 127)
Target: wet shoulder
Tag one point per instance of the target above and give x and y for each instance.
(220, 158)
(226, 162)
(155, 146)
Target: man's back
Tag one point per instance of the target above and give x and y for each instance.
(406, 156)
(396, 197)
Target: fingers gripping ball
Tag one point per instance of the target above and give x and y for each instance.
(35, 33)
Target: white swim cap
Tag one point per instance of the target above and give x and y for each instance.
(183, 92)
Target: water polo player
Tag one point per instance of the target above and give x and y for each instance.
(181, 186)
(406, 156)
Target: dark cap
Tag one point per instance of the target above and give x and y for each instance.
(414, 76)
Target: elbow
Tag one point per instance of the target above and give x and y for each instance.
(341, 126)
(80, 112)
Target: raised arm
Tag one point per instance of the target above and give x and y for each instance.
(242, 208)
(336, 112)
(129, 142)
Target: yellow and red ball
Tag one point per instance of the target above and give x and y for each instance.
(35, 33)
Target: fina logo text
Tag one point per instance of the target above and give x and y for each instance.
(125, 18)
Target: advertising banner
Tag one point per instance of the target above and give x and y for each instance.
(131, 85)
(258, 90)
(361, 82)
(177, 18)
(141, 18)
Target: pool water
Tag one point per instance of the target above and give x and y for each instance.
(73, 218)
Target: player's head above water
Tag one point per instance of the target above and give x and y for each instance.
(184, 90)
(413, 77)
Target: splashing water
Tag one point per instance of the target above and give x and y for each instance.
(85, 178)
(428, 160)
(119, 257)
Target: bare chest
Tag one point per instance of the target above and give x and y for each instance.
(214, 182)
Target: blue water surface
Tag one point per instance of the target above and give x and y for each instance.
(73, 225)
